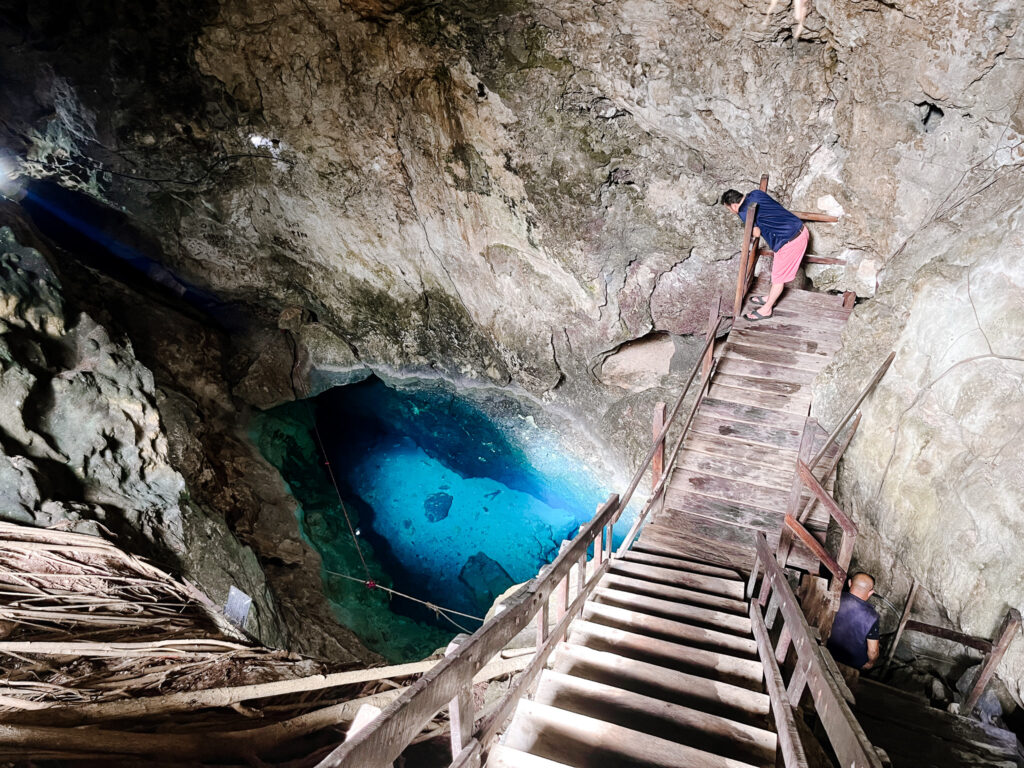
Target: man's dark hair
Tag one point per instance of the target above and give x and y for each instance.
(731, 196)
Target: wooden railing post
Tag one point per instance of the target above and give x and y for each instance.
(796, 490)
(658, 461)
(460, 710)
(903, 625)
(709, 354)
(743, 279)
(1006, 634)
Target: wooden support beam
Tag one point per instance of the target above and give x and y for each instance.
(817, 548)
(814, 216)
(902, 626)
(796, 489)
(849, 299)
(743, 279)
(1006, 634)
(460, 708)
(977, 643)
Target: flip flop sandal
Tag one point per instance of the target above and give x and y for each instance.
(754, 316)
(757, 301)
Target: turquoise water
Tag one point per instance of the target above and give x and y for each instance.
(453, 502)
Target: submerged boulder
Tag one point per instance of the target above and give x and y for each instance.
(436, 506)
(484, 578)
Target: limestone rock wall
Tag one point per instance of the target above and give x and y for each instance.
(505, 193)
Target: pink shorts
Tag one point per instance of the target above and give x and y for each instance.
(788, 257)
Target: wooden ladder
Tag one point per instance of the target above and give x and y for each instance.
(660, 669)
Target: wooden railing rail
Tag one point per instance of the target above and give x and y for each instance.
(383, 740)
(811, 672)
(659, 440)
(706, 363)
(993, 650)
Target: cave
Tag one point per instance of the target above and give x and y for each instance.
(341, 339)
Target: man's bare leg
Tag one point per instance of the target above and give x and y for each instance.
(765, 310)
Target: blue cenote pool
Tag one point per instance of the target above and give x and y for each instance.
(453, 502)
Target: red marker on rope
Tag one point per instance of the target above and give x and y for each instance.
(371, 584)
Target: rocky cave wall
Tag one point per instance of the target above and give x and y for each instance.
(506, 193)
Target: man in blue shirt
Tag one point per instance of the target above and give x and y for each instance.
(854, 638)
(785, 234)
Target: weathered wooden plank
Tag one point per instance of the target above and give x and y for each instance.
(768, 477)
(779, 341)
(695, 545)
(779, 438)
(674, 595)
(751, 414)
(818, 316)
(774, 356)
(766, 400)
(732, 701)
(978, 643)
(785, 326)
(740, 367)
(567, 737)
(634, 619)
(790, 746)
(701, 615)
(713, 584)
(682, 564)
(658, 718)
(748, 453)
(1006, 634)
(718, 499)
(816, 547)
(672, 655)
(789, 389)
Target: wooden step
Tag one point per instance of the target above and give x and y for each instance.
(739, 451)
(505, 757)
(751, 414)
(785, 327)
(695, 544)
(729, 497)
(732, 701)
(726, 468)
(682, 658)
(711, 584)
(671, 609)
(766, 400)
(666, 629)
(751, 350)
(817, 298)
(575, 739)
(777, 438)
(778, 341)
(654, 717)
(681, 564)
(683, 511)
(672, 594)
(740, 367)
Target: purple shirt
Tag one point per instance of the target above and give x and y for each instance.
(856, 623)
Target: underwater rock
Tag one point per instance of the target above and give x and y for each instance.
(436, 506)
(484, 578)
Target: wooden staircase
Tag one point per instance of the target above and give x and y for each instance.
(660, 669)
(734, 474)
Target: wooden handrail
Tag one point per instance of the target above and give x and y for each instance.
(381, 742)
(660, 439)
(844, 733)
(853, 409)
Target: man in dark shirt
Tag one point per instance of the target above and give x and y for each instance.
(854, 638)
(785, 234)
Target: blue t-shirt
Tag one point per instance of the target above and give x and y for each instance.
(856, 623)
(778, 226)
